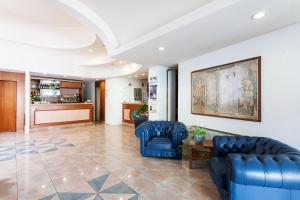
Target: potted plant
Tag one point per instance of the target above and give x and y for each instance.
(140, 115)
(197, 134)
(36, 99)
(140, 111)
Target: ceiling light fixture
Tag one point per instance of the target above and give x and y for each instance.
(259, 15)
(135, 76)
(91, 50)
(143, 74)
(161, 48)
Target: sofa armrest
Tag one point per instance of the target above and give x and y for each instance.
(224, 145)
(277, 171)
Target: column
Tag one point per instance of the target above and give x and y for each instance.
(27, 102)
(160, 108)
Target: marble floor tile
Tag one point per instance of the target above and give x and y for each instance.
(93, 162)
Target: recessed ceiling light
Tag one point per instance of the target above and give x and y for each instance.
(143, 74)
(259, 15)
(135, 76)
(91, 50)
(121, 62)
(161, 48)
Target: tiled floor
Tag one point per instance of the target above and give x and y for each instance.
(93, 162)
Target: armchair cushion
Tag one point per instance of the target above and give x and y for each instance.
(160, 143)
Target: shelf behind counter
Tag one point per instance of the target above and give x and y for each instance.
(43, 115)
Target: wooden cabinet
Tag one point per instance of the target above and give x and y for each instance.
(69, 84)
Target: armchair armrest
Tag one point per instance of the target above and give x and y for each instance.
(145, 131)
(179, 133)
(224, 145)
(277, 171)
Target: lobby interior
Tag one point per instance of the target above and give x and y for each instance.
(149, 100)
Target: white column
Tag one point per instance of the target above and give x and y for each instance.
(115, 89)
(27, 102)
(161, 102)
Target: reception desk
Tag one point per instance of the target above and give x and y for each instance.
(128, 108)
(60, 114)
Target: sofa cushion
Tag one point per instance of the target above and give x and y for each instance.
(160, 143)
(218, 170)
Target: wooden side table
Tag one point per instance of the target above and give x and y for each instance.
(207, 145)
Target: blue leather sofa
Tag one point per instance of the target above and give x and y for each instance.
(161, 138)
(255, 168)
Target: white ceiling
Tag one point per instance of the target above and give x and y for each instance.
(130, 19)
(38, 11)
(132, 30)
(205, 33)
(185, 28)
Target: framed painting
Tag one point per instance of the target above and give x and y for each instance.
(231, 90)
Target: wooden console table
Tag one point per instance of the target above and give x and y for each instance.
(207, 145)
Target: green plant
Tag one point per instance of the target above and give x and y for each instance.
(36, 98)
(196, 130)
(142, 110)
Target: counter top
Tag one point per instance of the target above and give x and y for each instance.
(133, 103)
(56, 104)
(60, 114)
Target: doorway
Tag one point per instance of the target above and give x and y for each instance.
(8, 106)
(172, 94)
(100, 100)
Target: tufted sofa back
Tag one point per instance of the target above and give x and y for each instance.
(249, 145)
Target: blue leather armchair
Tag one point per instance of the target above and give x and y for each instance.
(248, 168)
(161, 138)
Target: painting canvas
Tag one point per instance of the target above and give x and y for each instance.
(231, 90)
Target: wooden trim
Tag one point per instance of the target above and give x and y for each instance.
(258, 95)
(55, 107)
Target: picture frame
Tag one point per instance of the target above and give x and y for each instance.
(231, 90)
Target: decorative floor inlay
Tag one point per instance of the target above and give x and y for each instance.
(94, 162)
(32, 147)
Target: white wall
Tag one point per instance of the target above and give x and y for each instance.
(280, 52)
(161, 105)
(118, 91)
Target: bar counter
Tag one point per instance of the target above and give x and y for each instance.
(60, 114)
